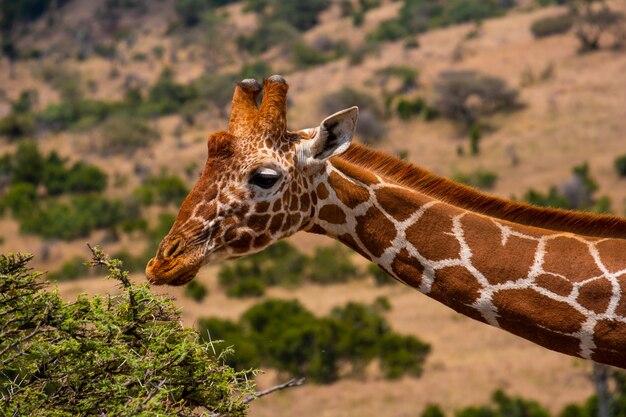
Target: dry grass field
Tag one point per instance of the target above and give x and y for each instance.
(577, 115)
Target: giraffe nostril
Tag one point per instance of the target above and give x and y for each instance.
(174, 248)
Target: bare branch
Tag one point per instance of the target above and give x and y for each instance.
(295, 382)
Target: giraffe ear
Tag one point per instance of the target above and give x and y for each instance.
(332, 137)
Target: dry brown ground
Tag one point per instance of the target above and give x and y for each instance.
(578, 115)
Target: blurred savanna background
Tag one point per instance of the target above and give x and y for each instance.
(105, 107)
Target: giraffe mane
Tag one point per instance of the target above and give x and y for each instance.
(448, 191)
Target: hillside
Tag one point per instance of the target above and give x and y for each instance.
(574, 113)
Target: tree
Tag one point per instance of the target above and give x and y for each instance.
(593, 20)
(123, 354)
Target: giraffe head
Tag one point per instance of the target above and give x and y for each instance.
(257, 184)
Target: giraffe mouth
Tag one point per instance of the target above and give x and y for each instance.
(163, 272)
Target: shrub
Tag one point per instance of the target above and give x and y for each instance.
(83, 178)
(407, 76)
(280, 264)
(478, 179)
(167, 96)
(305, 56)
(17, 125)
(400, 355)
(284, 335)
(464, 96)
(380, 276)
(163, 189)
(21, 199)
(270, 33)
(552, 25)
(114, 354)
(620, 165)
(74, 219)
(332, 264)
(27, 164)
(503, 405)
(125, 135)
(224, 335)
(196, 291)
(257, 70)
(72, 269)
(302, 15)
(408, 108)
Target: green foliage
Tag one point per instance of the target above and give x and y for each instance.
(479, 178)
(331, 265)
(505, 406)
(417, 16)
(489, 94)
(432, 410)
(191, 12)
(21, 199)
(196, 291)
(29, 166)
(400, 355)
(407, 108)
(620, 165)
(17, 125)
(552, 25)
(380, 276)
(125, 135)
(270, 33)
(163, 189)
(408, 77)
(300, 14)
(122, 354)
(167, 96)
(280, 264)
(286, 336)
(74, 219)
(257, 70)
(305, 56)
(475, 137)
(575, 194)
(72, 269)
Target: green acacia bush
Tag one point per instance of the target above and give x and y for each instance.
(196, 291)
(125, 135)
(552, 25)
(122, 354)
(162, 189)
(620, 166)
(286, 336)
(282, 264)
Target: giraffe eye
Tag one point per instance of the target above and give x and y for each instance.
(264, 178)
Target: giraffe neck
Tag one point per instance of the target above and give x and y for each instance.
(557, 289)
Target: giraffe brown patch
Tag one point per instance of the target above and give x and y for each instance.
(571, 258)
(538, 318)
(349, 241)
(262, 206)
(375, 231)
(455, 287)
(258, 221)
(314, 198)
(347, 192)
(278, 205)
(595, 295)
(317, 229)
(293, 202)
(609, 337)
(399, 203)
(332, 213)
(431, 236)
(295, 218)
(613, 254)
(407, 268)
(555, 284)
(261, 240)
(485, 240)
(277, 222)
(322, 191)
(305, 201)
(242, 243)
(525, 306)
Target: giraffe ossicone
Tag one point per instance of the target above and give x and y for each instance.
(556, 278)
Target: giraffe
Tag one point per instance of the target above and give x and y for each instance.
(554, 277)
